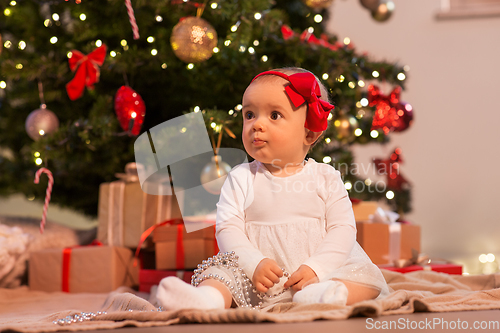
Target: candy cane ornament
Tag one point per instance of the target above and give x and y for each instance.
(47, 194)
(131, 18)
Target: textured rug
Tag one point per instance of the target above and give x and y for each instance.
(23, 310)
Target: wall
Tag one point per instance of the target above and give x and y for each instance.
(451, 151)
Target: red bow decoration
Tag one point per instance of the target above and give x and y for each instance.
(303, 88)
(390, 168)
(308, 37)
(391, 114)
(87, 71)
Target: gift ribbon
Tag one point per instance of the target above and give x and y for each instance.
(115, 213)
(179, 253)
(148, 232)
(65, 269)
(66, 264)
(394, 241)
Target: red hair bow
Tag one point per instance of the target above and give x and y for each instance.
(87, 71)
(304, 88)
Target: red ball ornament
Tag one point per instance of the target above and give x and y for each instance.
(130, 109)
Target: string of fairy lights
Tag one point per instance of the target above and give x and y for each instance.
(251, 50)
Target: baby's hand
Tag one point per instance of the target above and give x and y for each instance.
(266, 274)
(301, 277)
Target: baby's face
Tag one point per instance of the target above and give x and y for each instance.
(273, 129)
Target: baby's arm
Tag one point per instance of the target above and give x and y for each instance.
(341, 230)
(230, 225)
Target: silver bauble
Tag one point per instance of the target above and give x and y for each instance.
(41, 122)
(214, 174)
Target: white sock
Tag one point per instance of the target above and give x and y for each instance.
(175, 294)
(330, 292)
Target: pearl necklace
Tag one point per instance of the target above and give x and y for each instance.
(241, 286)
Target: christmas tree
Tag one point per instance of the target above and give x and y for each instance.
(89, 144)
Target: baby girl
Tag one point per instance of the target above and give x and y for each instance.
(285, 225)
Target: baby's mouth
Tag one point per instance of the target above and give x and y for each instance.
(257, 141)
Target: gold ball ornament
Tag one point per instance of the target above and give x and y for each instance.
(345, 125)
(384, 11)
(193, 39)
(318, 4)
(370, 4)
(214, 174)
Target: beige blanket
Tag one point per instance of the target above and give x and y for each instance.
(32, 311)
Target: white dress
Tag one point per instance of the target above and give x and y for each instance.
(305, 218)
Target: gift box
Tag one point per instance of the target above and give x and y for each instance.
(125, 211)
(177, 249)
(442, 268)
(363, 210)
(95, 269)
(386, 242)
(152, 277)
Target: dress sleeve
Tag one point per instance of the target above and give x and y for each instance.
(230, 222)
(340, 236)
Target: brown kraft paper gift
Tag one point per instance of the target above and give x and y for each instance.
(125, 212)
(386, 242)
(95, 269)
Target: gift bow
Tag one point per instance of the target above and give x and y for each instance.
(384, 216)
(87, 70)
(416, 259)
(303, 88)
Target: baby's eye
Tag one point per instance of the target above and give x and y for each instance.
(248, 115)
(275, 115)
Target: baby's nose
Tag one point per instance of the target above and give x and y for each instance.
(258, 125)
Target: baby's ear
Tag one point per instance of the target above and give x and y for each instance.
(311, 137)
